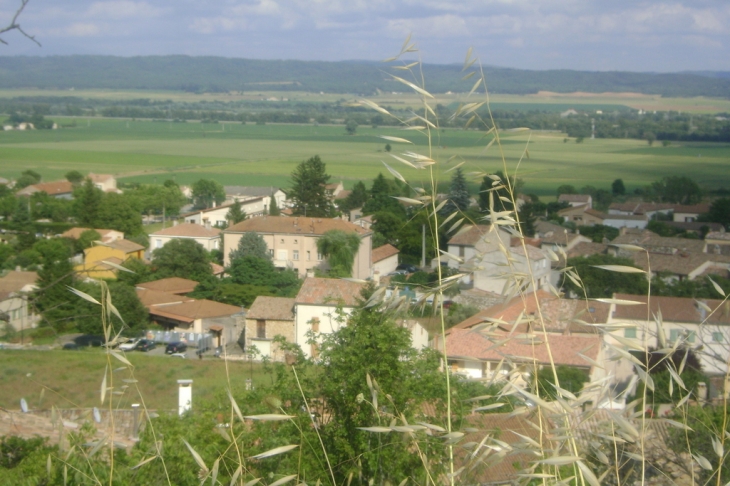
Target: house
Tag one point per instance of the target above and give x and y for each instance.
(334, 189)
(107, 235)
(718, 242)
(268, 318)
(14, 289)
(246, 193)
(638, 221)
(475, 240)
(650, 210)
(576, 200)
(682, 265)
(171, 285)
(105, 182)
(150, 298)
(96, 258)
(208, 237)
(292, 241)
(704, 323)
(553, 236)
(385, 259)
(200, 316)
(689, 214)
(215, 216)
(58, 189)
(582, 215)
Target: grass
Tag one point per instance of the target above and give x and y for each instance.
(232, 153)
(72, 378)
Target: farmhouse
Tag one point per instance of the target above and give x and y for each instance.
(209, 238)
(58, 189)
(268, 318)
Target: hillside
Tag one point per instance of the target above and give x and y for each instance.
(217, 74)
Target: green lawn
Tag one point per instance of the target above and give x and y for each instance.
(73, 379)
(233, 153)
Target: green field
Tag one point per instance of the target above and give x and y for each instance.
(233, 153)
(72, 379)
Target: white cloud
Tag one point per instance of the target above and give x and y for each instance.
(438, 26)
(212, 25)
(123, 9)
(82, 29)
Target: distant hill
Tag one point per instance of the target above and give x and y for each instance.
(218, 74)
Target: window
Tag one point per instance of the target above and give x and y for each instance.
(282, 254)
(296, 242)
(717, 337)
(309, 255)
(215, 244)
(261, 328)
(158, 243)
(295, 255)
(319, 257)
(461, 252)
(630, 332)
(282, 241)
(674, 334)
(271, 252)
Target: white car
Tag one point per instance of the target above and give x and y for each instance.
(129, 345)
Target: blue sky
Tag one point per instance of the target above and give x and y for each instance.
(592, 35)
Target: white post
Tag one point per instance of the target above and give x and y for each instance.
(185, 396)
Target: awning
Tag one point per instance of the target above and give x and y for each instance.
(216, 328)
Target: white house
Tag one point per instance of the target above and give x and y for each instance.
(246, 193)
(208, 237)
(385, 259)
(218, 216)
(14, 288)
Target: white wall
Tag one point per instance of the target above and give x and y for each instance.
(328, 322)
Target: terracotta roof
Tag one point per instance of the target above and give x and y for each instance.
(674, 309)
(639, 207)
(343, 194)
(190, 230)
(532, 252)
(694, 225)
(661, 244)
(124, 245)
(217, 269)
(597, 214)
(75, 233)
(274, 308)
(14, 281)
(155, 297)
(100, 177)
(625, 217)
(578, 208)
(299, 225)
(471, 235)
(195, 309)
(50, 188)
(579, 198)
(383, 252)
(587, 248)
(565, 350)
(329, 291)
(681, 263)
(173, 285)
(693, 209)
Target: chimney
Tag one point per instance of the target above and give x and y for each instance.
(185, 396)
(376, 277)
(702, 392)
(207, 224)
(174, 223)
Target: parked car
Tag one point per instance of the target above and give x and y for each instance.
(407, 267)
(145, 345)
(129, 345)
(177, 347)
(71, 346)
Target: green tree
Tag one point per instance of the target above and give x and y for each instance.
(260, 272)
(251, 244)
(235, 214)
(678, 190)
(618, 188)
(117, 212)
(356, 198)
(206, 192)
(528, 217)
(381, 197)
(142, 272)
(87, 316)
(458, 194)
(86, 240)
(387, 147)
(720, 212)
(74, 177)
(600, 283)
(339, 248)
(182, 258)
(351, 126)
(274, 207)
(571, 379)
(566, 189)
(308, 193)
(500, 187)
(27, 178)
(87, 202)
(52, 298)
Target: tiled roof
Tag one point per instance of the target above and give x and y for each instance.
(190, 230)
(195, 309)
(674, 309)
(125, 245)
(173, 285)
(470, 236)
(75, 233)
(14, 281)
(661, 244)
(274, 308)
(597, 214)
(565, 349)
(587, 248)
(217, 269)
(299, 225)
(579, 198)
(532, 252)
(50, 188)
(718, 235)
(343, 194)
(329, 291)
(639, 207)
(693, 209)
(682, 263)
(198, 211)
(155, 297)
(625, 217)
(100, 177)
(383, 252)
(693, 225)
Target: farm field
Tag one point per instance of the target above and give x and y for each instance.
(232, 153)
(75, 378)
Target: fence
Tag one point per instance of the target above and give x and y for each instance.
(203, 341)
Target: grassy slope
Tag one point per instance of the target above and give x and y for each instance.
(265, 155)
(73, 378)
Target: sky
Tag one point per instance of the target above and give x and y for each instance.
(586, 35)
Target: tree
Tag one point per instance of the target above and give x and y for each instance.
(566, 189)
(86, 240)
(571, 379)
(600, 283)
(618, 188)
(52, 298)
(260, 272)
(235, 214)
(117, 212)
(356, 198)
(87, 201)
(27, 178)
(502, 194)
(182, 258)
(206, 192)
(87, 316)
(387, 147)
(308, 193)
(458, 194)
(351, 126)
(528, 214)
(274, 207)
(74, 177)
(251, 244)
(720, 212)
(381, 197)
(677, 190)
(339, 248)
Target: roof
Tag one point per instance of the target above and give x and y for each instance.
(75, 233)
(50, 188)
(681, 263)
(674, 309)
(587, 248)
(625, 217)
(532, 252)
(495, 346)
(718, 235)
(470, 236)
(329, 291)
(124, 245)
(343, 194)
(579, 198)
(14, 281)
(661, 244)
(692, 209)
(188, 230)
(597, 214)
(173, 285)
(383, 252)
(274, 308)
(299, 225)
(195, 309)
(150, 298)
(217, 269)
(640, 207)
(694, 225)
(217, 208)
(253, 191)
(100, 177)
